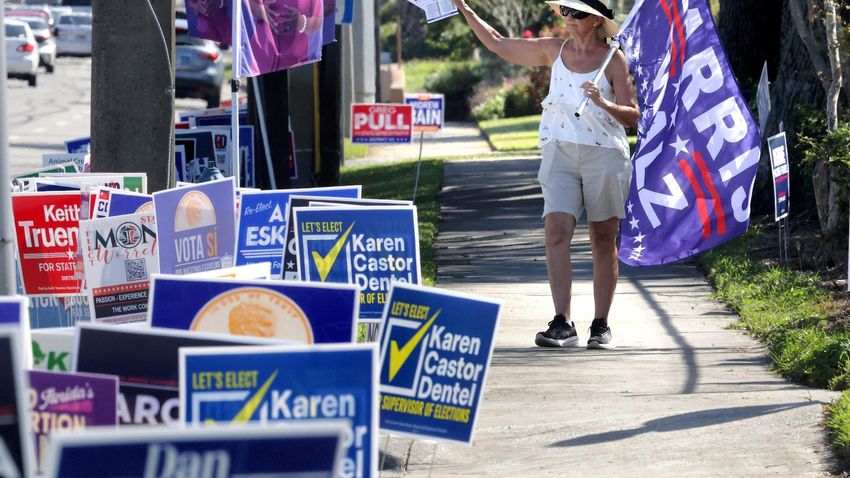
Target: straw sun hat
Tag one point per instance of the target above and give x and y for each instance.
(594, 7)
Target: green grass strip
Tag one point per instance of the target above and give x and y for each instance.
(512, 134)
(790, 311)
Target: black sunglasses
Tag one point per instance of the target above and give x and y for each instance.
(577, 14)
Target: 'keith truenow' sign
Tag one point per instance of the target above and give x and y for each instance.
(300, 311)
(47, 230)
(297, 450)
(262, 223)
(381, 123)
(236, 385)
(435, 351)
(368, 246)
(428, 111)
(196, 227)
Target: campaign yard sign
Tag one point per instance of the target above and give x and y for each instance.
(260, 270)
(69, 401)
(117, 202)
(14, 311)
(16, 446)
(778, 148)
(46, 234)
(119, 255)
(371, 247)
(78, 145)
(428, 111)
(236, 385)
(436, 348)
(290, 253)
(52, 348)
(58, 168)
(297, 450)
(80, 159)
(195, 227)
(381, 123)
(262, 223)
(307, 313)
(146, 363)
(136, 182)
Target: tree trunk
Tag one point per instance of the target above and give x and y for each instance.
(750, 32)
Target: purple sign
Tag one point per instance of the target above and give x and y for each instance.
(275, 35)
(67, 401)
(698, 146)
(196, 227)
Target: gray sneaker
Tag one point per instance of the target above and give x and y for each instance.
(559, 334)
(600, 335)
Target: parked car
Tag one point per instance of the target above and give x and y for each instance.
(199, 67)
(73, 34)
(46, 43)
(21, 51)
(38, 11)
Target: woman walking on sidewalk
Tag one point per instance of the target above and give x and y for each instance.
(585, 161)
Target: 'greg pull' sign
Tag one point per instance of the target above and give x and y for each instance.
(381, 123)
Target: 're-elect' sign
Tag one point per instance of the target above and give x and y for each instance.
(381, 123)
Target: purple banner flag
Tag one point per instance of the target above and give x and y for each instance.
(276, 34)
(698, 145)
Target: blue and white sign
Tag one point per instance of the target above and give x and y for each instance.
(778, 147)
(285, 384)
(262, 223)
(428, 111)
(118, 202)
(436, 348)
(14, 311)
(296, 450)
(307, 313)
(371, 247)
(78, 145)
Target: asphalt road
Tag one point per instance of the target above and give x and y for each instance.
(40, 119)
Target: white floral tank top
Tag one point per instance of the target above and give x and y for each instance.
(596, 127)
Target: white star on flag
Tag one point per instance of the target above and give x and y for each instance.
(638, 238)
(629, 206)
(680, 145)
(634, 222)
(639, 249)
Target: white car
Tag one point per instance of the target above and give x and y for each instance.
(73, 34)
(46, 42)
(21, 51)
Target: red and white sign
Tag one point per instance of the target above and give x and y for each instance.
(381, 123)
(46, 237)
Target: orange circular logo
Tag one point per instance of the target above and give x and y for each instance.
(194, 210)
(256, 312)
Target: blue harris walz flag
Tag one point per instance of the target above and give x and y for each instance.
(435, 351)
(195, 227)
(368, 246)
(698, 146)
(262, 223)
(238, 385)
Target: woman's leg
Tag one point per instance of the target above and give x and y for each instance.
(559, 229)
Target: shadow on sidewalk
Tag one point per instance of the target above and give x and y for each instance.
(684, 421)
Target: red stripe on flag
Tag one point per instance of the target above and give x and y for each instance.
(701, 207)
(718, 206)
(667, 11)
(677, 18)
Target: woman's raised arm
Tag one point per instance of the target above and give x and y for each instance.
(520, 51)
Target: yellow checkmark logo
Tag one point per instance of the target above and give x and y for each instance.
(399, 356)
(247, 411)
(324, 264)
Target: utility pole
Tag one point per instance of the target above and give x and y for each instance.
(132, 101)
(7, 244)
(330, 110)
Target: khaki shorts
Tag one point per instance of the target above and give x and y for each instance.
(575, 177)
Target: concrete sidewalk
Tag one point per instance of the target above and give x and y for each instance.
(682, 395)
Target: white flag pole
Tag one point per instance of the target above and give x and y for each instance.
(7, 252)
(236, 46)
(615, 45)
